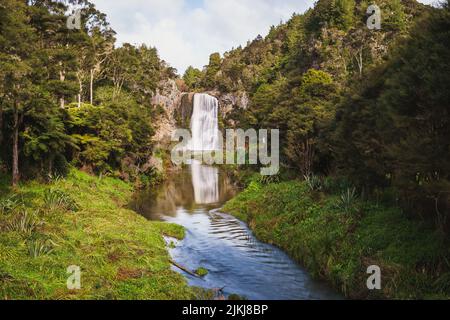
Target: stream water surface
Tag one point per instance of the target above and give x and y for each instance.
(235, 259)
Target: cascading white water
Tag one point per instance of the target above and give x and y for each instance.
(205, 181)
(205, 137)
(205, 124)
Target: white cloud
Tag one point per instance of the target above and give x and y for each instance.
(186, 32)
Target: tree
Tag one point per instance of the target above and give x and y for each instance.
(394, 130)
(109, 133)
(417, 98)
(102, 46)
(394, 16)
(212, 69)
(332, 13)
(45, 70)
(134, 68)
(17, 48)
(192, 77)
(312, 108)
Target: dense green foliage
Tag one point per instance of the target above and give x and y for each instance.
(192, 78)
(338, 236)
(395, 130)
(68, 95)
(369, 105)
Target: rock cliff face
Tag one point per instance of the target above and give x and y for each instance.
(167, 97)
(184, 111)
(178, 108)
(229, 102)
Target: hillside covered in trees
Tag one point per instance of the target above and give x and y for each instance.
(368, 106)
(72, 96)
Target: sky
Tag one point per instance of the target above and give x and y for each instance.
(186, 32)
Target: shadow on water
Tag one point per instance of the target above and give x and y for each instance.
(222, 244)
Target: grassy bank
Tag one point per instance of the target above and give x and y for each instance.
(336, 237)
(82, 221)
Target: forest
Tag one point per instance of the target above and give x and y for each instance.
(364, 120)
(63, 93)
(370, 107)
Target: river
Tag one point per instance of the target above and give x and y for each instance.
(225, 246)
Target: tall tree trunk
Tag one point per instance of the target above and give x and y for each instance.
(1, 124)
(62, 77)
(308, 157)
(91, 88)
(50, 165)
(359, 60)
(80, 92)
(15, 162)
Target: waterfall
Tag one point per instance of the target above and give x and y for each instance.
(205, 137)
(205, 123)
(205, 181)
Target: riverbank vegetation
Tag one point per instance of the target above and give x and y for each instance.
(71, 99)
(336, 235)
(81, 221)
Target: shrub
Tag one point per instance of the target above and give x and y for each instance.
(58, 199)
(54, 178)
(37, 248)
(10, 204)
(335, 185)
(23, 223)
(265, 180)
(347, 200)
(201, 272)
(60, 166)
(314, 182)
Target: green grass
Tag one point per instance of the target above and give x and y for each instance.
(82, 221)
(338, 243)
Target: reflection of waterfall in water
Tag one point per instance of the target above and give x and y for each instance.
(205, 123)
(205, 137)
(205, 181)
(222, 244)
